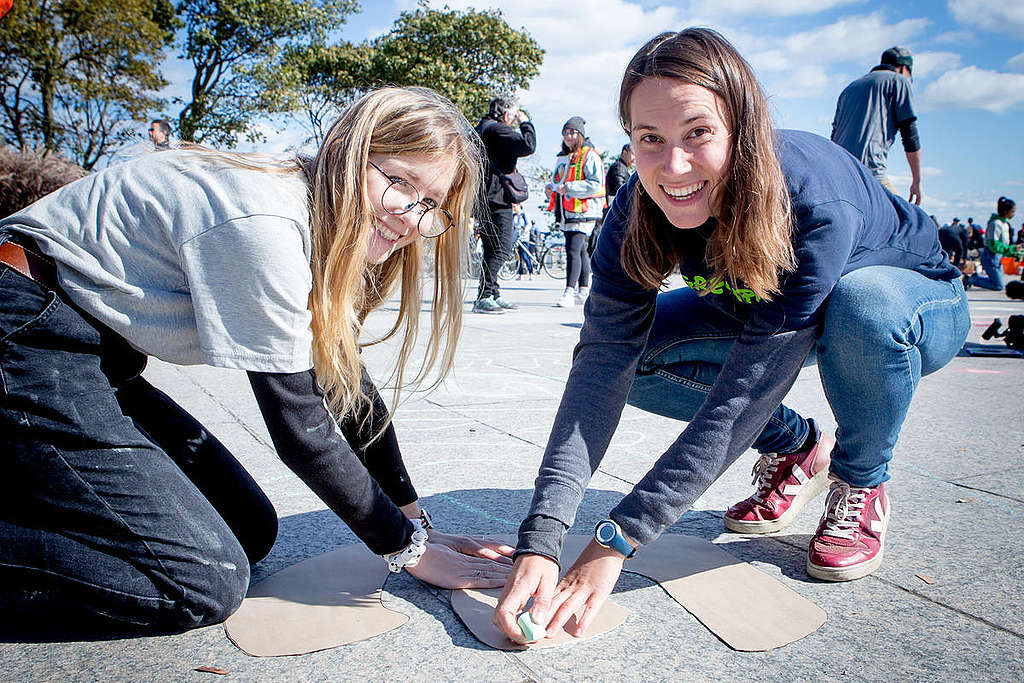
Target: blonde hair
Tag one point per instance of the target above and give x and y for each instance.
(752, 241)
(389, 121)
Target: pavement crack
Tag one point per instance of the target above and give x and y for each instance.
(538, 375)
(939, 603)
(235, 416)
(531, 675)
(981, 490)
(478, 421)
(615, 477)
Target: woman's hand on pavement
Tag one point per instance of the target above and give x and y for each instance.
(475, 546)
(444, 567)
(533, 576)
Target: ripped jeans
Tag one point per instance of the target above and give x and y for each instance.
(884, 328)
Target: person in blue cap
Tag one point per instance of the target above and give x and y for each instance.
(870, 112)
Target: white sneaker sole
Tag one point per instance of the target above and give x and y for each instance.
(855, 571)
(814, 486)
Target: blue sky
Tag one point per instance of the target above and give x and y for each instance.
(968, 73)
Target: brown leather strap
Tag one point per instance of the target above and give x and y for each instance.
(29, 264)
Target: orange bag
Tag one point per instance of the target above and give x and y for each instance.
(5, 6)
(1010, 265)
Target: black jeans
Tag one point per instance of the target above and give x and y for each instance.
(118, 508)
(577, 259)
(498, 236)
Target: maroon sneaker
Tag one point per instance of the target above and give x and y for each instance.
(785, 483)
(851, 533)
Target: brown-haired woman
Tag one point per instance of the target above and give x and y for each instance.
(792, 253)
(120, 508)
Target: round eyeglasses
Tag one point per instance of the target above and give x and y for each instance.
(400, 197)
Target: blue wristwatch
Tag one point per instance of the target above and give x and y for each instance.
(608, 534)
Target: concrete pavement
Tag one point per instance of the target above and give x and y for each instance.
(473, 448)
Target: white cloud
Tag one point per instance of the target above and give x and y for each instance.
(971, 87)
(928, 63)
(798, 65)
(955, 37)
(1016, 63)
(777, 8)
(998, 16)
(859, 38)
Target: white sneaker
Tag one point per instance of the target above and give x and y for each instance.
(568, 299)
(581, 294)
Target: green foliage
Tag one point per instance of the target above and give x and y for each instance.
(236, 48)
(74, 73)
(468, 56)
(324, 77)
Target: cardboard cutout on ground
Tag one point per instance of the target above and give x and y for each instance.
(317, 604)
(335, 599)
(746, 608)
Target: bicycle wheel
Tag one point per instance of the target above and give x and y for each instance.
(509, 268)
(553, 261)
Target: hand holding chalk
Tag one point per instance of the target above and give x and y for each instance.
(531, 631)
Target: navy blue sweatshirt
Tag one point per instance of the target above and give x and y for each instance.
(844, 220)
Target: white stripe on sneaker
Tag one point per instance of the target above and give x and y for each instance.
(793, 489)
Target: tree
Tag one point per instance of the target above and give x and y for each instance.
(467, 56)
(325, 78)
(75, 73)
(236, 48)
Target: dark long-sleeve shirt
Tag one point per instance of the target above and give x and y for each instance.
(362, 482)
(844, 220)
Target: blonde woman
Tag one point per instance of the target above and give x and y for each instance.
(121, 509)
(792, 252)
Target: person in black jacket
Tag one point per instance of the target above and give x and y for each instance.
(616, 176)
(507, 135)
(619, 172)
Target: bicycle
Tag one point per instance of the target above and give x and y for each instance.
(551, 259)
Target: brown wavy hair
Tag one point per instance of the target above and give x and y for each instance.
(751, 242)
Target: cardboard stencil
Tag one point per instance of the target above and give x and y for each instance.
(746, 608)
(320, 603)
(335, 599)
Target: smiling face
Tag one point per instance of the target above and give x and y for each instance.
(682, 146)
(431, 176)
(573, 139)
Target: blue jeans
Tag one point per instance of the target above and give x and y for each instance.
(118, 509)
(883, 329)
(992, 263)
(525, 257)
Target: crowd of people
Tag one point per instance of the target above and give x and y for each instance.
(793, 252)
(984, 255)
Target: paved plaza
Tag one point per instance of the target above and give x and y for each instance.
(947, 604)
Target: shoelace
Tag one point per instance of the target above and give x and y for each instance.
(763, 471)
(843, 509)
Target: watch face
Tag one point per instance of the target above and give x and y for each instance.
(605, 532)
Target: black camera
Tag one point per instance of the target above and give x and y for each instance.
(1013, 335)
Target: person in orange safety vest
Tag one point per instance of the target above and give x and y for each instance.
(577, 197)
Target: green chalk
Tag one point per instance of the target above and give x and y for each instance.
(530, 629)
